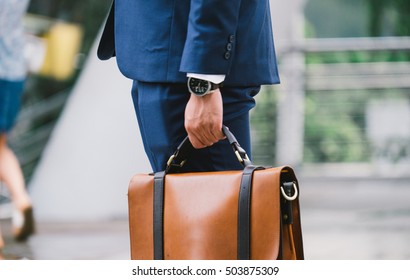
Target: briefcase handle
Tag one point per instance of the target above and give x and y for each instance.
(180, 156)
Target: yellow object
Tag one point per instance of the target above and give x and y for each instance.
(63, 42)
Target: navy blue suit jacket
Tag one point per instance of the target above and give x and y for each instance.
(162, 40)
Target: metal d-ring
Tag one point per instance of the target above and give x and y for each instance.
(171, 158)
(240, 158)
(290, 198)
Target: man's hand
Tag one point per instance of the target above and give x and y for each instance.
(203, 119)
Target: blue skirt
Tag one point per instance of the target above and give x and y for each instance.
(10, 101)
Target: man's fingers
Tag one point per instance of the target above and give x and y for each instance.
(201, 139)
(217, 134)
(203, 119)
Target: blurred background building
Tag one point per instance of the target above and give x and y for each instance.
(341, 117)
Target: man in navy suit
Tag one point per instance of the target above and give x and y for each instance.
(196, 64)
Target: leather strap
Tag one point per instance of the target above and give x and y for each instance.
(179, 157)
(286, 205)
(244, 210)
(238, 150)
(159, 183)
(184, 149)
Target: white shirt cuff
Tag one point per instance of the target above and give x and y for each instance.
(216, 79)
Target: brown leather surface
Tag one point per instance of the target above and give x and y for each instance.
(201, 215)
(140, 205)
(265, 214)
(200, 220)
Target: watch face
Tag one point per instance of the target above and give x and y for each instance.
(199, 87)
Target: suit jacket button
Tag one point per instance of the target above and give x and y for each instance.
(227, 55)
(229, 47)
(231, 38)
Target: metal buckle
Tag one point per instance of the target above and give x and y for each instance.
(290, 198)
(239, 156)
(241, 159)
(171, 158)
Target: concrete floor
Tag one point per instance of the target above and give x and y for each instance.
(71, 241)
(357, 218)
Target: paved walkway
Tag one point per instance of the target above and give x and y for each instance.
(356, 218)
(71, 241)
(342, 219)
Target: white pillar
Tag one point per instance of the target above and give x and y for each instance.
(288, 24)
(94, 150)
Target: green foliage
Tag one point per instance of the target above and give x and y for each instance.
(334, 127)
(357, 57)
(403, 21)
(263, 120)
(382, 10)
(336, 18)
(376, 8)
(357, 18)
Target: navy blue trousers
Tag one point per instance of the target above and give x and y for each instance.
(160, 111)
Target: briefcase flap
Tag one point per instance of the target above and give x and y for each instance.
(201, 215)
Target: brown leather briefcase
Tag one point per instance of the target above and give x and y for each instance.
(224, 215)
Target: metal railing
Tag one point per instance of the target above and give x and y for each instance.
(303, 80)
(320, 45)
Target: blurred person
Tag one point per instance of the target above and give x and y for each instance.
(13, 72)
(196, 64)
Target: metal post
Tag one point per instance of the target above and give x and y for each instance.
(290, 122)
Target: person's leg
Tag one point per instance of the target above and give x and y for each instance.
(12, 176)
(1, 243)
(10, 170)
(160, 112)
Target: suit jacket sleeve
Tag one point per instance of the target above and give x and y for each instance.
(210, 43)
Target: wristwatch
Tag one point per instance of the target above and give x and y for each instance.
(201, 87)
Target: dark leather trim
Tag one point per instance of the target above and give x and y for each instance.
(159, 183)
(185, 148)
(286, 206)
(236, 146)
(244, 212)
